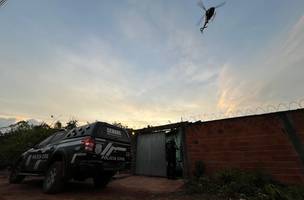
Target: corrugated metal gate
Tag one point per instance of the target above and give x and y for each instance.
(151, 154)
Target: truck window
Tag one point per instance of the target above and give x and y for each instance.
(58, 136)
(45, 142)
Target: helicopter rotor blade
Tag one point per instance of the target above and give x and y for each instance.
(2, 3)
(201, 5)
(200, 21)
(220, 5)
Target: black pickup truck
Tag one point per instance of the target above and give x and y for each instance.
(96, 150)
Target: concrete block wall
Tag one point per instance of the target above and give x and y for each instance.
(271, 142)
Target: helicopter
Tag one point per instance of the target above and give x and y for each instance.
(2, 3)
(209, 13)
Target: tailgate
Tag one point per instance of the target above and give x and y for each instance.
(112, 151)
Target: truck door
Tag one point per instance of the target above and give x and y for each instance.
(36, 155)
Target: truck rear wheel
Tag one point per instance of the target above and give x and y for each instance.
(53, 181)
(102, 179)
(14, 176)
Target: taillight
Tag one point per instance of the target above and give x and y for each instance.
(89, 143)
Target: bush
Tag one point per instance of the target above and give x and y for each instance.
(233, 181)
(202, 185)
(236, 184)
(16, 141)
(295, 192)
(274, 192)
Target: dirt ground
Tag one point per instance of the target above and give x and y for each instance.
(126, 188)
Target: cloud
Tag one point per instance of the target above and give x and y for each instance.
(274, 79)
(97, 82)
(151, 72)
(148, 65)
(104, 86)
(150, 69)
(4, 122)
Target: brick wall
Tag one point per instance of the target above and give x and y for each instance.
(254, 142)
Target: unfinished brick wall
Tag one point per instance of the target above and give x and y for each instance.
(254, 142)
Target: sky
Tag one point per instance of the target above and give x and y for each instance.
(143, 62)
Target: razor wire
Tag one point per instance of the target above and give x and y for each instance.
(194, 117)
(263, 109)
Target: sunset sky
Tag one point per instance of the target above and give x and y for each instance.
(142, 62)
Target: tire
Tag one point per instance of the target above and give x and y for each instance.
(14, 177)
(101, 180)
(54, 180)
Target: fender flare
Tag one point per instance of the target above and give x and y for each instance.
(61, 154)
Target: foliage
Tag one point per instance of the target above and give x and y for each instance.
(204, 184)
(120, 125)
(237, 184)
(21, 136)
(58, 125)
(71, 124)
(294, 192)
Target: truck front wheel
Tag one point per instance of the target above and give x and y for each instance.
(53, 181)
(14, 176)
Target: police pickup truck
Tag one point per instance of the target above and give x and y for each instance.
(96, 150)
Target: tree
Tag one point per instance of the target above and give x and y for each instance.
(71, 124)
(58, 125)
(21, 125)
(16, 140)
(120, 125)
